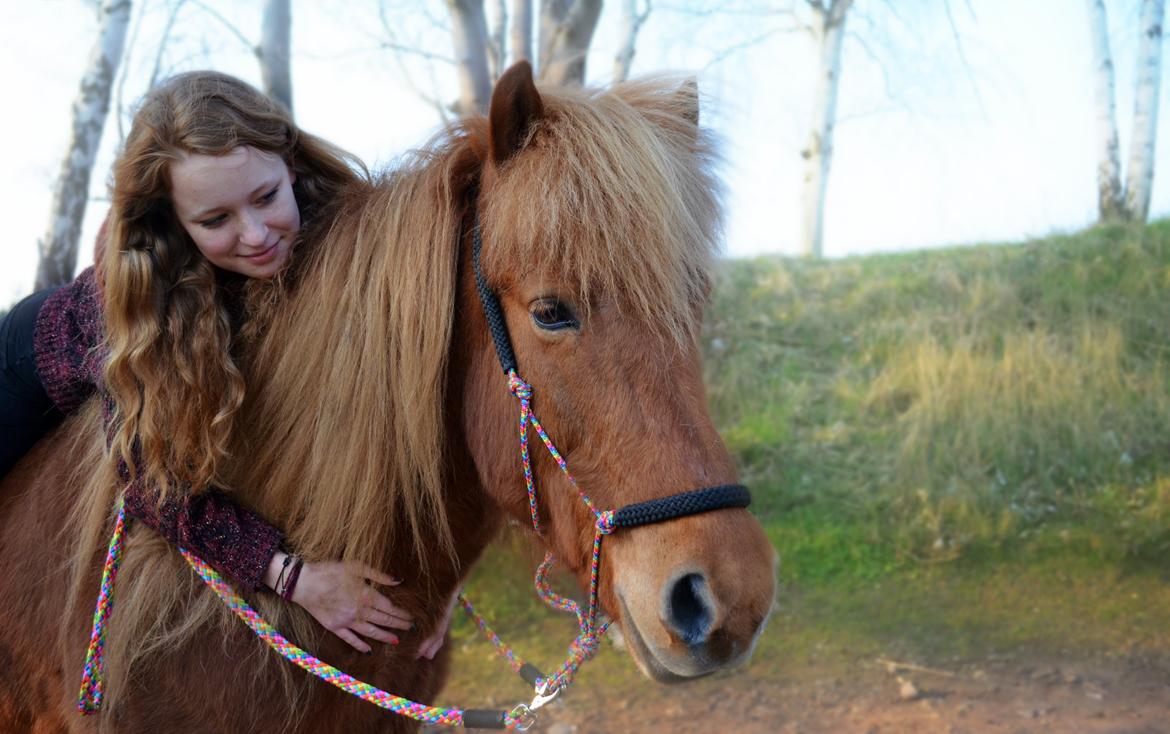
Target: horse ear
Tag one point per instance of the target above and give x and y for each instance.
(688, 99)
(515, 106)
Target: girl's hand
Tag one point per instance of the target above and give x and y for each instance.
(429, 647)
(339, 597)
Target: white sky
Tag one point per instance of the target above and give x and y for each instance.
(935, 145)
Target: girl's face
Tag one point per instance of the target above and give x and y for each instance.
(238, 208)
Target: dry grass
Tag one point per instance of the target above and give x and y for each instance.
(941, 401)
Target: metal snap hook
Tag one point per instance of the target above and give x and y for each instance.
(545, 693)
(523, 716)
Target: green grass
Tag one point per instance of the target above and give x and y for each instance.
(937, 402)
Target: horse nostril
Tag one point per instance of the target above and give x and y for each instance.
(689, 612)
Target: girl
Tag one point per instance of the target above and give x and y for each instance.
(212, 188)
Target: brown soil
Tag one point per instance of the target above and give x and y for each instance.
(1115, 695)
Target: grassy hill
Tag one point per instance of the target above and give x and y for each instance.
(958, 454)
(928, 406)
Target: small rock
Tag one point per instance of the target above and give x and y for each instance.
(1047, 675)
(907, 691)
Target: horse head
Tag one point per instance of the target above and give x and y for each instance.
(599, 218)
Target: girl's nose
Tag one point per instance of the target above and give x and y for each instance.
(253, 231)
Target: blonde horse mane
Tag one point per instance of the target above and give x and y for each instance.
(342, 438)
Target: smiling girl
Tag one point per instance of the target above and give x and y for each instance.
(210, 192)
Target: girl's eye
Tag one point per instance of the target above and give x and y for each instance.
(214, 221)
(553, 315)
(269, 196)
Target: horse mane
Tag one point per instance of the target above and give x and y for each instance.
(361, 340)
(341, 441)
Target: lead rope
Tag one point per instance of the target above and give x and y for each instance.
(521, 717)
(89, 700)
(93, 678)
(588, 641)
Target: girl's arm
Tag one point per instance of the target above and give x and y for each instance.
(234, 540)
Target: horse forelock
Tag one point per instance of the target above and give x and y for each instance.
(614, 194)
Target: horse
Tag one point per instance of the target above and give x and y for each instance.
(378, 428)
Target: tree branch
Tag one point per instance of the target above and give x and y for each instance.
(399, 49)
(254, 48)
(162, 43)
(963, 56)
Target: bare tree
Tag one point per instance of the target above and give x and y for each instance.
(480, 51)
(631, 22)
(828, 29)
(521, 30)
(469, 34)
(566, 30)
(58, 248)
(1140, 179)
(275, 51)
(1133, 201)
(1110, 202)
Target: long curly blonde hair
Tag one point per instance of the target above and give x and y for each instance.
(169, 329)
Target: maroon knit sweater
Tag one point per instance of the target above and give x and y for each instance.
(234, 540)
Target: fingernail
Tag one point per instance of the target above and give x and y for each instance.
(394, 641)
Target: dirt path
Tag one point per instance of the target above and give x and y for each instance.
(1114, 696)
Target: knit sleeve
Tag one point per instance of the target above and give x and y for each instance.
(67, 342)
(233, 539)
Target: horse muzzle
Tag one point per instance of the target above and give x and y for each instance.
(686, 614)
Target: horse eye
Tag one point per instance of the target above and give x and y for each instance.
(553, 315)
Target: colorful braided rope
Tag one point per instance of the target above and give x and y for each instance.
(305, 661)
(589, 639)
(514, 660)
(89, 700)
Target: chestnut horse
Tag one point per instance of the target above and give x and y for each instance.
(372, 373)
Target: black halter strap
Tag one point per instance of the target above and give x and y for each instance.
(682, 504)
(671, 507)
(491, 306)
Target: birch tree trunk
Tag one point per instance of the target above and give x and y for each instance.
(497, 43)
(469, 33)
(58, 248)
(275, 51)
(631, 23)
(1110, 204)
(566, 30)
(829, 32)
(1140, 178)
(521, 30)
